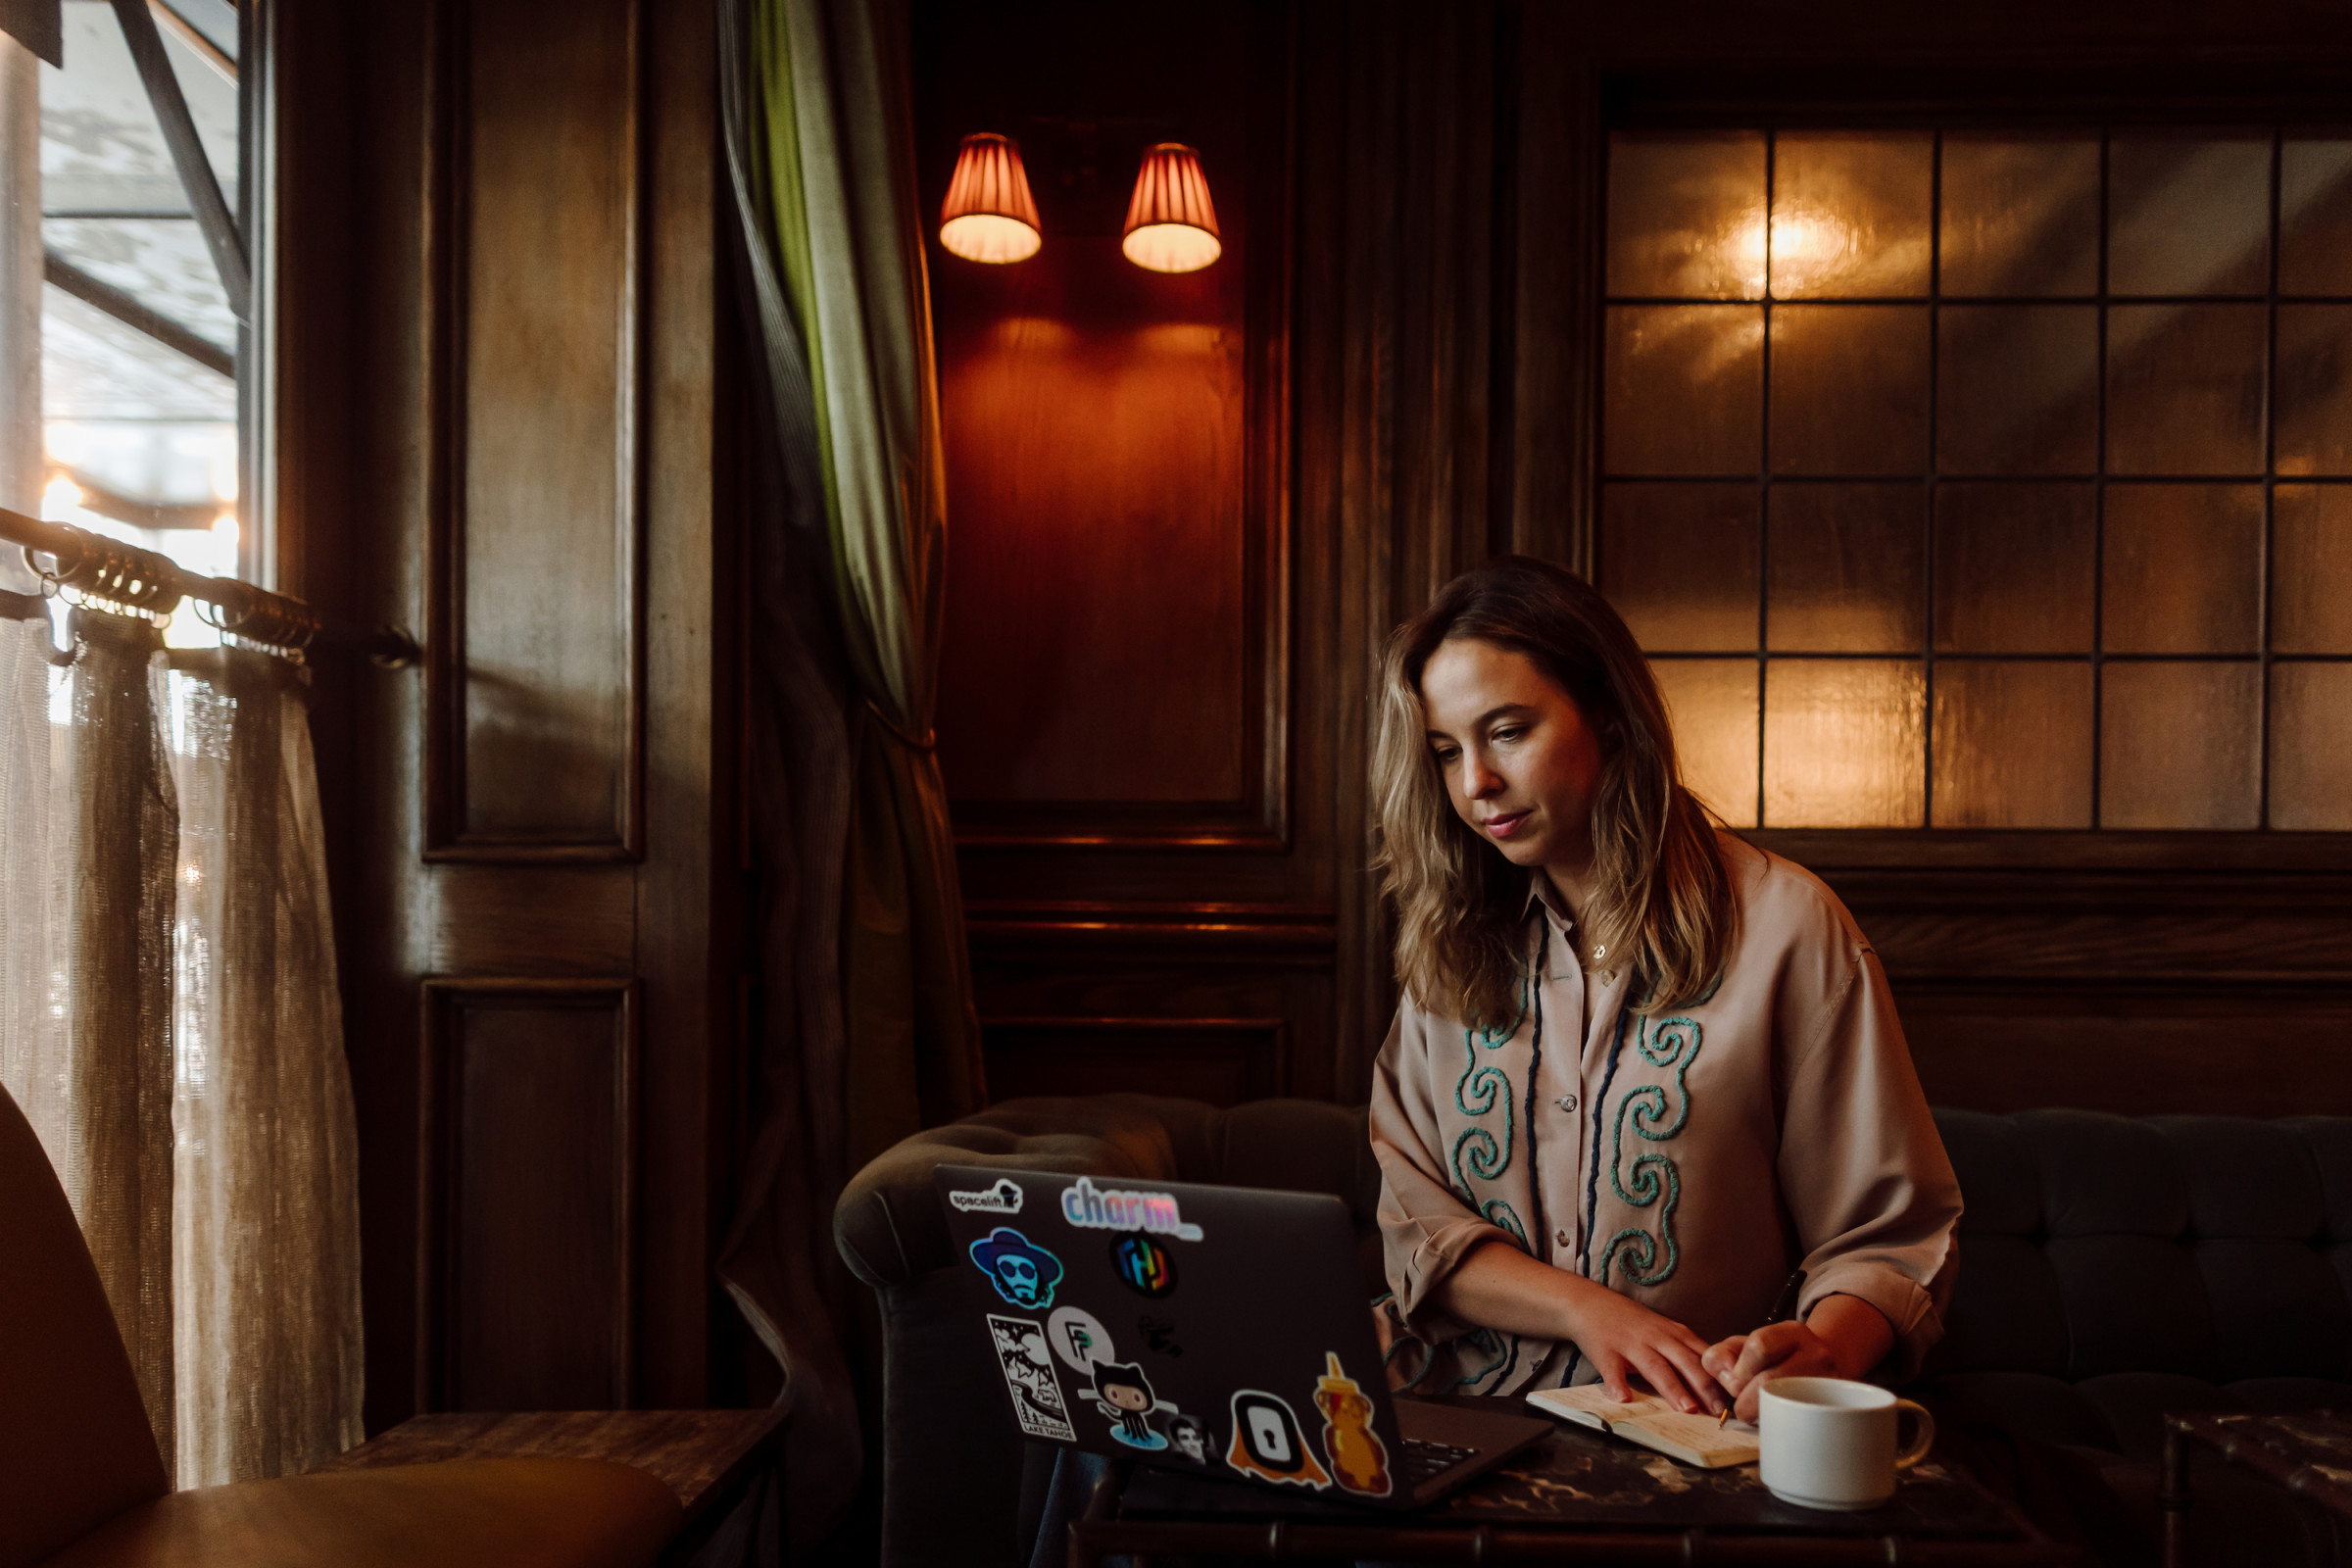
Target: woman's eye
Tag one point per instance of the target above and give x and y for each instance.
(1510, 733)
(1445, 754)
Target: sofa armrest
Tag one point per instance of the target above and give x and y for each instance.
(888, 1224)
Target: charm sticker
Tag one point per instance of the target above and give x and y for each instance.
(1358, 1458)
(1266, 1442)
(1079, 1338)
(1189, 1438)
(1143, 1265)
(1022, 1272)
(1002, 1198)
(1124, 1394)
(1029, 1375)
(1159, 1334)
(1094, 1209)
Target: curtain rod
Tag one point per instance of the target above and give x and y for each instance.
(118, 574)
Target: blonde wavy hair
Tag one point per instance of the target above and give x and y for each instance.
(1660, 892)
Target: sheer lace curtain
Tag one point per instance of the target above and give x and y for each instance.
(170, 1022)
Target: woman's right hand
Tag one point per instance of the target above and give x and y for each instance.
(1622, 1340)
(1502, 1287)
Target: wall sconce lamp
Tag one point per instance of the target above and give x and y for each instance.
(1171, 228)
(989, 214)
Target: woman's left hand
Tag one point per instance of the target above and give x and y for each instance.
(1745, 1363)
(1844, 1337)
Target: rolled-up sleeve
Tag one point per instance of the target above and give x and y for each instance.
(1426, 1230)
(1863, 1170)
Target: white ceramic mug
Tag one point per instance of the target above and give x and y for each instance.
(1831, 1443)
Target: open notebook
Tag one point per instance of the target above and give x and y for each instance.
(1653, 1424)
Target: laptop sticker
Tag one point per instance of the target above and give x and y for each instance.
(1022, 1272)
(1103, 1208)
(1029, 1374)
(1266, 1442)
(1079, 1338)
(1002, 1198)
(1359, 1461)
(1159, 1334)
(1143, 1265)
(1124, 1394)
(1190, 1439)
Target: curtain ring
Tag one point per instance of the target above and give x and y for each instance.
(50, 580)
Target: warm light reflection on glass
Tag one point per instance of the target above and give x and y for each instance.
(61, 499)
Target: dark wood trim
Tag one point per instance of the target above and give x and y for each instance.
(2100, 850)
(1558, 310)
(441, 1000)
(1282, 935)
(447, 241)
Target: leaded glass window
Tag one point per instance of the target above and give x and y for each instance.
(1988, 479)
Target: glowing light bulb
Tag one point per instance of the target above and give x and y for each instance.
(225, 528)
(61, 498)
(989, 214)
(1171, 225)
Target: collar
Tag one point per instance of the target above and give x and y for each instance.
(1541, 891)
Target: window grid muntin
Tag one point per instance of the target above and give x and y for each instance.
(2103, 299)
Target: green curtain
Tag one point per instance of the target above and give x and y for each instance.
(864, 1021)
(835, 139)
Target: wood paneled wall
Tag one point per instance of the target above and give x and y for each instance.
(1443, 170)
(530, 835)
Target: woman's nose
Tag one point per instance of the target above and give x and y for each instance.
(1479, 780)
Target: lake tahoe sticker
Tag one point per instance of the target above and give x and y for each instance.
(1103, 1208)
(1029, 1375)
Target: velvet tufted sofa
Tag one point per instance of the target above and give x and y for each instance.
(2111, 1269)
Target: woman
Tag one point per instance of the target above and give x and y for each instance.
(1643, 1073)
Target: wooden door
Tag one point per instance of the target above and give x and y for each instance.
(522, 333)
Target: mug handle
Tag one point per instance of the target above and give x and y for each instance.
(1921, 1444)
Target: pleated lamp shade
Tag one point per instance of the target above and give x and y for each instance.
(1171, 228)
(988, 216)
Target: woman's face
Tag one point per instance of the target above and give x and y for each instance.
(1521, 763)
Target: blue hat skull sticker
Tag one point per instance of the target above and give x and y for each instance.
(1023, 1272)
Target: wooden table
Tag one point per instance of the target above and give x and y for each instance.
(1577, 1497)
(2309, 1453)
(701, 1455)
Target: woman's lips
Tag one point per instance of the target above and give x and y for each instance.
(1503, 827)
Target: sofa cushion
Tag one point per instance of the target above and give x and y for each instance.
(2006, 1312)
(2246, 1178)
(2031, 1405)
(2105, 1175)
(1999, 1180)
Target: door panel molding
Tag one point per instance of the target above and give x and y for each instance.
(535, 730)
(526, 1234)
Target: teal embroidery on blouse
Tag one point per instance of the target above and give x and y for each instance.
(1674, 1043)
(1477, 1152)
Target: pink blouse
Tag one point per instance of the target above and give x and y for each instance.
(1691, 1160)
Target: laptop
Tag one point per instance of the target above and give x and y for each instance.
(1218, 1330)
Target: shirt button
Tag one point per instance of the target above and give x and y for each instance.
(1560, 1237)
(1566, 1101)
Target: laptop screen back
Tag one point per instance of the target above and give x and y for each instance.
(1217, 1330)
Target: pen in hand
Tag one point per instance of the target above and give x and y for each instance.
(1783, 1305)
